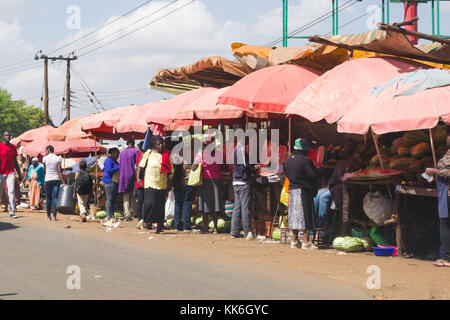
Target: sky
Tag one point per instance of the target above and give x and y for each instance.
(117, 61)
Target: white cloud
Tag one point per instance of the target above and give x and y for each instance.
(11, 8)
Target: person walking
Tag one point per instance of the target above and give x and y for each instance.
(183, 195)
(127, 178)
(241, 184)
(36, 178)
(84, 185)
(53, 180)
(158, 168)
(442, 173)
(111, 181)
(139, 188)
(8, 163)
(303, 184)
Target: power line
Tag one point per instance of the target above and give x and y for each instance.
(140, 28)
(100, 28)
(143, 18)
(357, 18)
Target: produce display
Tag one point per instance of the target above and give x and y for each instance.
(352, 244)
(222, 225)
(101, 215)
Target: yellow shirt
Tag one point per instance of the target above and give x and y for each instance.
(153, 177)
(115, 177)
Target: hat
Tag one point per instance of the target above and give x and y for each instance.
(35, 159)
(301, 144)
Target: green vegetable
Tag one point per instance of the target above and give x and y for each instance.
(337, 243)
(118, 214)
(169, 222)
(276, 234)
(101, 215)
(351, 244)
(368, 243)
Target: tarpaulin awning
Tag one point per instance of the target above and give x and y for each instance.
(390, 42)
(213, 71)
(388, 109)
(330, 96)
(102, 125)
(313, 55)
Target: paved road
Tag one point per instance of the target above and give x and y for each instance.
(34, 261)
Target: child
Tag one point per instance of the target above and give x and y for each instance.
(84, 185)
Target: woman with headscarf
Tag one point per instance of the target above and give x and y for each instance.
(442, 173)
(36, 178)
(158, 168)
(303, 185)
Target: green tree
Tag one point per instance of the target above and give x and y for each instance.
(16, 117)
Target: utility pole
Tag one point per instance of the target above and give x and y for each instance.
(47, 119)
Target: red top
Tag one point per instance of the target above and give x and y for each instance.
(137, 164)
(8, 153)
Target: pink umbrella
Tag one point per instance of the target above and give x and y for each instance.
(330, 96)
(70, 130)
(206, 108)
(31, 135)
(132, 123)
(269, 89)
(388, 113)
(68, 148)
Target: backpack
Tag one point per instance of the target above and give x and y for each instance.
(83, 183)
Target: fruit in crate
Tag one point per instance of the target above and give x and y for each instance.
(418, 164)
(403, 151)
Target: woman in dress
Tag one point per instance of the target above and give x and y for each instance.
(158, 169)
(303, 184)
(442, 173)
(36, 178)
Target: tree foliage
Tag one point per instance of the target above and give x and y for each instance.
(16, 117)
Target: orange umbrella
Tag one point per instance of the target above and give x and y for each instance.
(31, 135)
(70, 130)
(330, 96)
(69, 148)
(269, 89)
(164, 112)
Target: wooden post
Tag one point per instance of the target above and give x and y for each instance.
(378, 150)
(432, 148)
(290, 133)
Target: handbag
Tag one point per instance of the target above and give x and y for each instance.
(195, 176)
(142, 171)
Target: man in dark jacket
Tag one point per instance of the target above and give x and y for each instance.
(241, 184)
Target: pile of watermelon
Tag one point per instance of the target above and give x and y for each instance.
(376, 173)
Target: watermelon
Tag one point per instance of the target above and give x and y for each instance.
(411, 138)
(170, 222)
(276, 234)
(101, 215)
(401, 163)
(419, 150)
(118, 214)
(403, 151)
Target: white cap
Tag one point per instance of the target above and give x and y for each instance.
(35, 159)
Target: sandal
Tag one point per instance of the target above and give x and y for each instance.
(442, 263)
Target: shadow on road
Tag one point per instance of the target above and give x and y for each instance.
(8, 294)
(7, 226)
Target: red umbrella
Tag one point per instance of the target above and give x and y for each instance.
(68, 148)
(31, 135)
(330, 96)
(70, 130)
(164, 112)
(132, 123)
(269, 89)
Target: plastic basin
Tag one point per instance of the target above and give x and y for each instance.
(383, 251)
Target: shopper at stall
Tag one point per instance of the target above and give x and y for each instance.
(242, 171)
(209, 195)
(8, 163)
(84, 185)
(348, 164)
(303, 184)
(53, 180)
(183, 195)
(36, 178)
(442, 173)
(111, 181)
(127, 179)
(139, 188)
(158, 168)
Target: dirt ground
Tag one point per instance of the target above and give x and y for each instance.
(401, 278)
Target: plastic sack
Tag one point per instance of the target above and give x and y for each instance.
(284, 221)
(284, 198)
(377, 208)
(170, 205)
(377, 238)
(195, 177)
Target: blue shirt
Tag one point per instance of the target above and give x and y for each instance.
(110, 166)
(40, 175)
